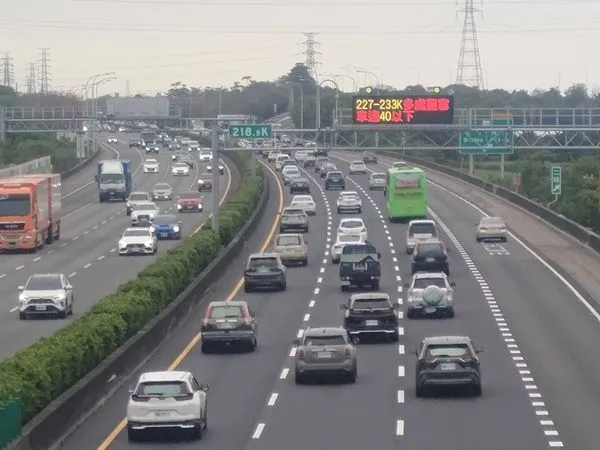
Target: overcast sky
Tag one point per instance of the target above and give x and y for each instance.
(524, 44)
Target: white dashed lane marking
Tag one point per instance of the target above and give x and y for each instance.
(532, 389)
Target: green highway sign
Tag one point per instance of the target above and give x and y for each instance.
(250, 131)
(485, 143)
(556, 180)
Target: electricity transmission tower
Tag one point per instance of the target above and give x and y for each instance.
(31, 79)
(469, 71)
(44, 71)
(8, 71)
(311, 53)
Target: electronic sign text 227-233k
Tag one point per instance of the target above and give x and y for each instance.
(403, 109)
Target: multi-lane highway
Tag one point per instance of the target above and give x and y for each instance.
(539, 368)
(86, 251)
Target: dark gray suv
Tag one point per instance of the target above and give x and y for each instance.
(447, 361)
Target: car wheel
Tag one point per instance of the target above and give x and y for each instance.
(299, 378)
(22, 316)
(395, 337)
(252, 345)
(305, 262)
(198, 430)
(344, 288)
(247, 288)
(451, 313)
(477, 389)
(375, 285)
(359, 210)
(503, 239)
(410, 314)
(447, 271)
(413, 270)
(132, 435)
(283, 286)
(421, 391)
(352, 377)
(205, 348)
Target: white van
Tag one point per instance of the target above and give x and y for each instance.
(279, 161)
(419, 230)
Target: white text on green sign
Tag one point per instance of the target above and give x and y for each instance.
(250, 131)
(556, 180)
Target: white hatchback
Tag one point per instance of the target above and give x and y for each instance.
(306, 202)
(354, 226)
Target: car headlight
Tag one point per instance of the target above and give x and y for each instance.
(200, 182)
(122, 244)
(179, 206)
(176, 229)
(152, 229)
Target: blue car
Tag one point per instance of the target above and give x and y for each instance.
(167, 226)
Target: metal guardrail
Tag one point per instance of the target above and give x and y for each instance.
(39, 165)
(10, 422)
(570, 227)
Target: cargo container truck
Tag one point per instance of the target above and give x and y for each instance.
(114, 180)
(30, 211)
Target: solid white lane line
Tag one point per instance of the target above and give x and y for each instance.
(258, 431)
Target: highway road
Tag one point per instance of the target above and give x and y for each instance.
(539, 366)
(86, 251)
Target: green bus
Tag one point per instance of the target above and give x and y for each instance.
(406, 193)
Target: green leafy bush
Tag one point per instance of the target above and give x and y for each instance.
(40, 373)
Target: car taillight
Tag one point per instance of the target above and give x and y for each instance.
(247, 321)
(347, 353)
(467, 359)
(181, 398)
(300, 354)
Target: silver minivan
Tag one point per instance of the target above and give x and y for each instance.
(419, 230)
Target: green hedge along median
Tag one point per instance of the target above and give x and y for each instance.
(42, 372)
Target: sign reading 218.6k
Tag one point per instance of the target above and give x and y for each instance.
(403, 109)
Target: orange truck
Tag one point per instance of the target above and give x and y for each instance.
(30, 211)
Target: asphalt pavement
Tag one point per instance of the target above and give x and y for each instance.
(538, 364)
(86, 251)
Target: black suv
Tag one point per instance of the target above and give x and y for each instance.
(359, 267)
(228, 323)
(430, 256)
(264, 271)
(371, 314)
(447, 361)
(369, 158)
(299, 186)
(134, 144)
(335, 180)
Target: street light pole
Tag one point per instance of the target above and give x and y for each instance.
(318, 102)
(374, 76)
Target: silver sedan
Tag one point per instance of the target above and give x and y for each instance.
(491, 228)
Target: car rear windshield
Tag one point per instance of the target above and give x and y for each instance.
(145, 207)
(492, 222)
(366, 303)
(162, 389)
(224, 312)
(206, 176)
(46, 283)
(422, 283)
(263, 262)
(335, 174)
(357, 163)
(293, 212)
(352, 224)
(165, 220)
(190, 195)
(151, 161)
(288, 240)
(378, 176)
(304, 199)
(161, 186)
(180, 166)
(429, 249)
(349, 238)
(422, 228)
(136, 233)
(447, 350)
(325, 340)
(137, 197)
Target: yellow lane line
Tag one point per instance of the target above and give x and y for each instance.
(196, 339)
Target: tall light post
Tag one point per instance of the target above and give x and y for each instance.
(367, 72)
(335, 76)
(318, 102)
(290, 85)
(86, 87)
(98, 80)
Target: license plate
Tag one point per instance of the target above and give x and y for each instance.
(40, 307)
(448, 366)
(430, 310)
(372, 323)
(430, 259)
(324, 355)
(227, 326)
(361, 267)
(164, 235)
(189, 207)
(161, 413)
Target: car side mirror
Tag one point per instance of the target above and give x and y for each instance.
(204, 387)
(379, 255)
(20, 288)
(405, 285)
(396, 306)
(452, 283)
(415, 351)
(296, 342)
(131, 390)
(343, 306)
(252, 314)
(179, 222)
(355, 340)
(479, 350)
(95, 177)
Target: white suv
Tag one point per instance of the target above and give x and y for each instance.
(419, 230)
(167, 400)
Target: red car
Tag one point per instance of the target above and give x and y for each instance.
(190, 201)
(205, 182)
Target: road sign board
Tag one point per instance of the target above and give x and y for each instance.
(250, 131)
(556, 180)
(485, 143)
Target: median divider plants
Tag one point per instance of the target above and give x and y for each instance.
(62, 379)
(570, 227)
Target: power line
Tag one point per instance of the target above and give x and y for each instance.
(330, 30)
(469, 71)
(44, 71)
(311, 53)
(299, 3)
